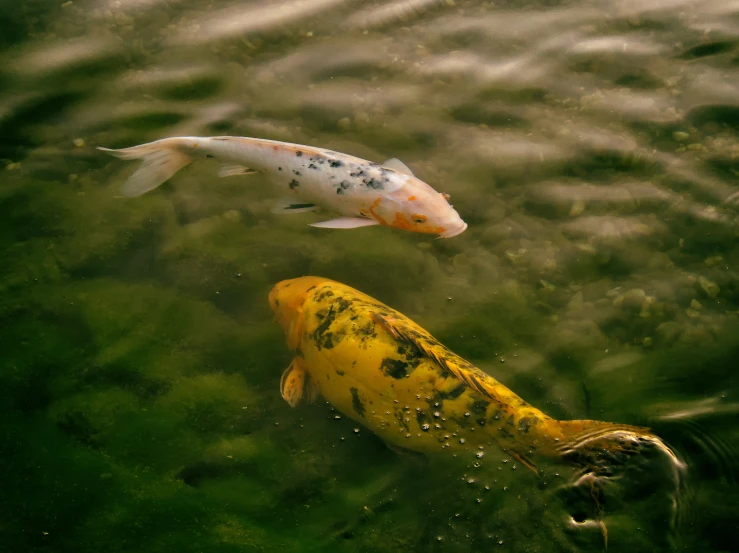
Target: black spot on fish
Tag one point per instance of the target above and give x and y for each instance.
(410, 352)
(359, 173)
(340, 373)
(296, 172)
(456, 392)
(279, 168)
(479, 407)
(293, 184)
(396, 368)
(299, 206)
(343, 186)
(525, 423)
(366, 332)
(277, 302)
(335, 163)
(374, 184)
(311, 288)
(463, 422)
(357, 403)
(322, 338)
(495, 418)
(312, 166)
(299, 153)
(342, 305)
(325, 294)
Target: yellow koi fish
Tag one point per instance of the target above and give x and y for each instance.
(384, 371)
(362, 192)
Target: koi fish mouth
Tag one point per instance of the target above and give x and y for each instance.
(452, 232)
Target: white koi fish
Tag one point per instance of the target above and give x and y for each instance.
(362, 192)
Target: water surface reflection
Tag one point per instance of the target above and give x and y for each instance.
(592, 148)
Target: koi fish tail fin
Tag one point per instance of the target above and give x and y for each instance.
(600, 446)
(161, 159)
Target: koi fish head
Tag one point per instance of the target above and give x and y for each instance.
(416, 207)
(287, 299)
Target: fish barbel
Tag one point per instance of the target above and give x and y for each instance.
(384, 371)
(362, 192)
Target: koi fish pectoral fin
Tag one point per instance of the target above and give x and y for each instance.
(345, 223)
(286, 206)
(233, 170)
(398, 166)
(296, 384)
(292, 383)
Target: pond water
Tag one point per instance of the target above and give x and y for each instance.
(591, 146)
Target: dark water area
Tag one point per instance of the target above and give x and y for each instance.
(591, 146)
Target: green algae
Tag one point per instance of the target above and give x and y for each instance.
(139, 376)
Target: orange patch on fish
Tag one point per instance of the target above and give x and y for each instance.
(377, 217)
(411, 198)
(403, 223)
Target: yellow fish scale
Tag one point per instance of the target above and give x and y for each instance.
(384, 371)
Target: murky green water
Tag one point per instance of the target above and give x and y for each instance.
(590, 146)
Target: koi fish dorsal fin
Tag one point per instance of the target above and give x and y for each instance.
(430, 347)
(396, 165)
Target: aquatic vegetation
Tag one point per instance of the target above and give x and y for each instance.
(592, 149)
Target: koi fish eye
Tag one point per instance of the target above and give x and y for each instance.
(418, 218)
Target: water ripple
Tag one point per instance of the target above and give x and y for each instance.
(238, 20)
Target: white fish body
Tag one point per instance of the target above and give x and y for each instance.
(362, 192)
